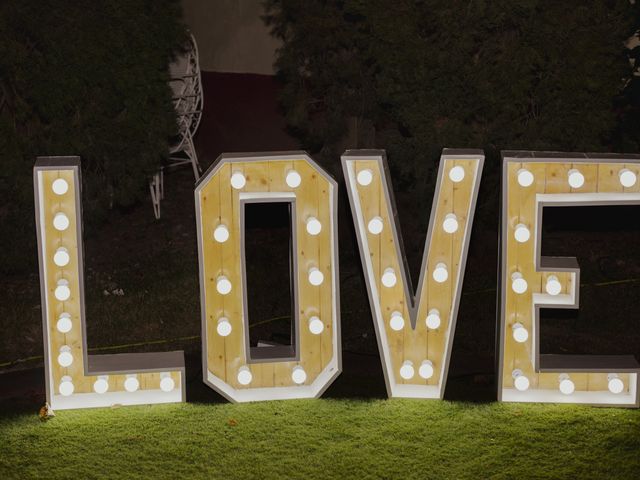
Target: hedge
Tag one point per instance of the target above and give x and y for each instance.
(415, 76)
(82, 78)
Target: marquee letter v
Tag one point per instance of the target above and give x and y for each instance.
(414, 331)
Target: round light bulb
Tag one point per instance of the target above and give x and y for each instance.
(62, 291)
(406, 370)
(365, 177)
(520, 381)
(426, 369)
(456, 174)
(221, 234)
(293, 179)
(316, 277)
(66, 386)
(525, 177)
(244, 376)
(298, 375)
(520, 334)
(375, 225)
(450, 223)
(60, 222)
(440, 273)
(615, 384)
(101, 385)
(223, 285)
(553, 285)
(389, 277)
(131, 384)
(167, 383)
(518, 283)
(567, 386)
(521, 233)
(627, 178)
(575, 178)
(396, 322)
(433, 319)
(61, 257)
(315, 325)
(238, 180)
(65, 358)
(224, 327)
(64, 323)
(313, 226)
(60, 186)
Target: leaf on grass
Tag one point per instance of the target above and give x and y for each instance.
(46, 412)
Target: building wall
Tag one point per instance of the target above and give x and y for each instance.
(231, 35)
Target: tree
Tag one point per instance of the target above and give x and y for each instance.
(89, 79)
(428, 74)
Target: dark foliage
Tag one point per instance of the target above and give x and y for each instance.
(82, 78)
(414, 76)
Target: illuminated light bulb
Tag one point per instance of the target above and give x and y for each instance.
(316, 277)
(293, 179)
(389, 278)
(433, 319)
(101, 385)
(525, 177)
(396, 322)
(223, 285)
(167, 383)
(61, 257)
(615, 383)
(60, 186)
(313, 226)
(365, 177)
(298, 375)
(224, 327)
(440, 273)
(520, 334)
(66, 386)
(521, 233)
(627, 178)
(244, 376)
(131, 383)
(426, 369)
(64, 323)
(315, 325)
(406, 370)
(375, 225)
(575, 178)
(238, 180)
(450, 223)
(65, 358)
(566, 384)
(60, 222)
(520, 381)
(518, 283)
(553, 285)
(456, 174)
(62, 291)
(221, 234)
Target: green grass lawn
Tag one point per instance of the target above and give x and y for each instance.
(325, 438)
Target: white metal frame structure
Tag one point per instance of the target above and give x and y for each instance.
(188, 100)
